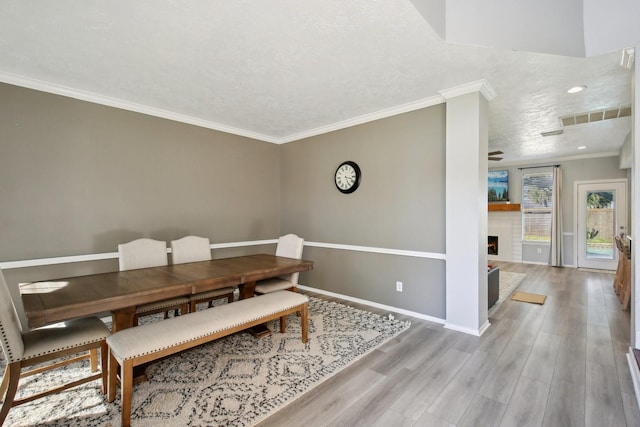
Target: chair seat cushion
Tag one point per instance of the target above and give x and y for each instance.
(62, 336)
(153, 337)
(212, 294)
(271, 285)
(159, 305)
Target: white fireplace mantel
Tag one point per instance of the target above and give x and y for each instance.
(508, 227)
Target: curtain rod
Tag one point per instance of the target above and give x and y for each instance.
(536, 167)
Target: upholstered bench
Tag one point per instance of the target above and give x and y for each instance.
(142, 344)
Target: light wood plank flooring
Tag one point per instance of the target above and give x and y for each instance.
(560, 364)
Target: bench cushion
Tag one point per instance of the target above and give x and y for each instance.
(153, 337)
(271, 285)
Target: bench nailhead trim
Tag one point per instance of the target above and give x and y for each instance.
(174, 344)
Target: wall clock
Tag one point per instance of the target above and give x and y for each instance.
(347, 177)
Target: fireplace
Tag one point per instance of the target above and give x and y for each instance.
(492, 246)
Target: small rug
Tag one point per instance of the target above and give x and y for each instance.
(532, 298)
(509, 282)
(235, 381)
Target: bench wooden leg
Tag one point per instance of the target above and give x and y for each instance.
(126, 387)
(113, 377)
(93, 359)
(104, 365)
(283, 324)
(304, 319)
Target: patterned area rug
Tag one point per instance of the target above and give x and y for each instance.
(234, 381)
(508, 283)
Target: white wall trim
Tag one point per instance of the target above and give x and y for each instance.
(241, 244)
(373, 304)
(113, 255)
(533, 162)
(57, 260)
(386, 251)
(473, 332)
(482, 86)
(535, 263)
(635, 374)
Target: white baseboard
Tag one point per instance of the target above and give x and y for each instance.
(373, 304)
(635, 374)
(469, 331)
(535, 263)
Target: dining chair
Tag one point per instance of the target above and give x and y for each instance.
(194, 249)
(289, 246)
(82, 337)
(145, 253)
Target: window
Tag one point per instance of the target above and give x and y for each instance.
(537, 190)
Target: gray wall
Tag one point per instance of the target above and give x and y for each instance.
(400, 204)
(572, 171)
(78, 178)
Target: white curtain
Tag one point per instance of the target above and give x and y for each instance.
(555, 254)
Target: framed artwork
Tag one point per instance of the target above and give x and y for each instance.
(499, 186)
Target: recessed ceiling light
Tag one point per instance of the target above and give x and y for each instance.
(582, 147)
(576, 89)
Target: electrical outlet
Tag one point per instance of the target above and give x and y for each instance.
(399, 286)
(539, 251)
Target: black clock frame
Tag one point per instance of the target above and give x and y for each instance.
(356, 184)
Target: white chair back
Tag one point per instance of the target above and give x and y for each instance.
(290, 246)
(190, 249)
(10, 332)
(142, 253)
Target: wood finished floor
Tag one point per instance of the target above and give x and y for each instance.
(560, 364)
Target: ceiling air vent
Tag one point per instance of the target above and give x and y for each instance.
(596, 116)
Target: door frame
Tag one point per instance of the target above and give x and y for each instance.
(576, 184)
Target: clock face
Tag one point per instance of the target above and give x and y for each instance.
(347, 177)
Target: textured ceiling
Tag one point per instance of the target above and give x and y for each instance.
(280, 70)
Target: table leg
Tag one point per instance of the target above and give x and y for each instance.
(122, 319)
(247, 291)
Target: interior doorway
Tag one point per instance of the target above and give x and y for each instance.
(601, 208)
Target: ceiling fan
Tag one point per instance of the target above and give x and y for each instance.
(492, 155)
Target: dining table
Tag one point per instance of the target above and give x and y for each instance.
(120, 292)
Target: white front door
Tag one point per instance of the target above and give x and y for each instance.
(601, 215)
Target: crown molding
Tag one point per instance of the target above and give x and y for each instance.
(366, 118)
(157, 112)
(557, 159)
(126, 105)
(482, 86)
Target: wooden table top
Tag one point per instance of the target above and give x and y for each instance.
(52, 301)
